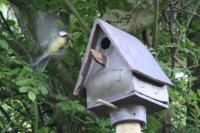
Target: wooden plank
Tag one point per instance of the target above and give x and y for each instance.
(78, 85)
(132, 127)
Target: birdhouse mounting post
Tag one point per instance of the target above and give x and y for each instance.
(131, 127)
(121, 79)
(128, 119)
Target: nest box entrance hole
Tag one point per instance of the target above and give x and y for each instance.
(105, 43)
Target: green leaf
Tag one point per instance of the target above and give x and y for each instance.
(75, 35)
(10, 51)
(23, 82)
(43, 130)
(35, 90)
(29, 69)
(23, 89)
(198, 92)
(11, 22)
(71, 106)
(3, 44)
(43, 90)
(41, 3)
(54, 5)
(3, 2)
(31, 95)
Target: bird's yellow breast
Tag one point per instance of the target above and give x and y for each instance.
(57, 44)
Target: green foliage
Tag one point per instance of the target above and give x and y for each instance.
(30, 82)
(69, 106)
(153, 126)
(32, 101)
(3, 2)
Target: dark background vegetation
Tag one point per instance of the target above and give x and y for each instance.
(42, 102)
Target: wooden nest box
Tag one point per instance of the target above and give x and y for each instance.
(118, 68)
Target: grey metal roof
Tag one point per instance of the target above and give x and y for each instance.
(133, 51)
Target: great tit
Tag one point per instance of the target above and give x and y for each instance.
(55, 48)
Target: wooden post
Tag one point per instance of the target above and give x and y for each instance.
(132, 127)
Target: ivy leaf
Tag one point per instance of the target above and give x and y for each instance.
(31, 95)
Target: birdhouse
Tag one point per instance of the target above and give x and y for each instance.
(119, 69)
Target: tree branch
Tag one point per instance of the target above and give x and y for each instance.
(6, 27)
(7, 116)
(5, 94)
(156, 16)
(187, 12)
(35, 103)
(189, 3)
(180, 62)
(147, 38)
(128, 4)
(16, 109)
(75, 12)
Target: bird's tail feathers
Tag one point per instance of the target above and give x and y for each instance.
(41, 63)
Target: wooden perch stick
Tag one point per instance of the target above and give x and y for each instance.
(99, 57)
(106, 103)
